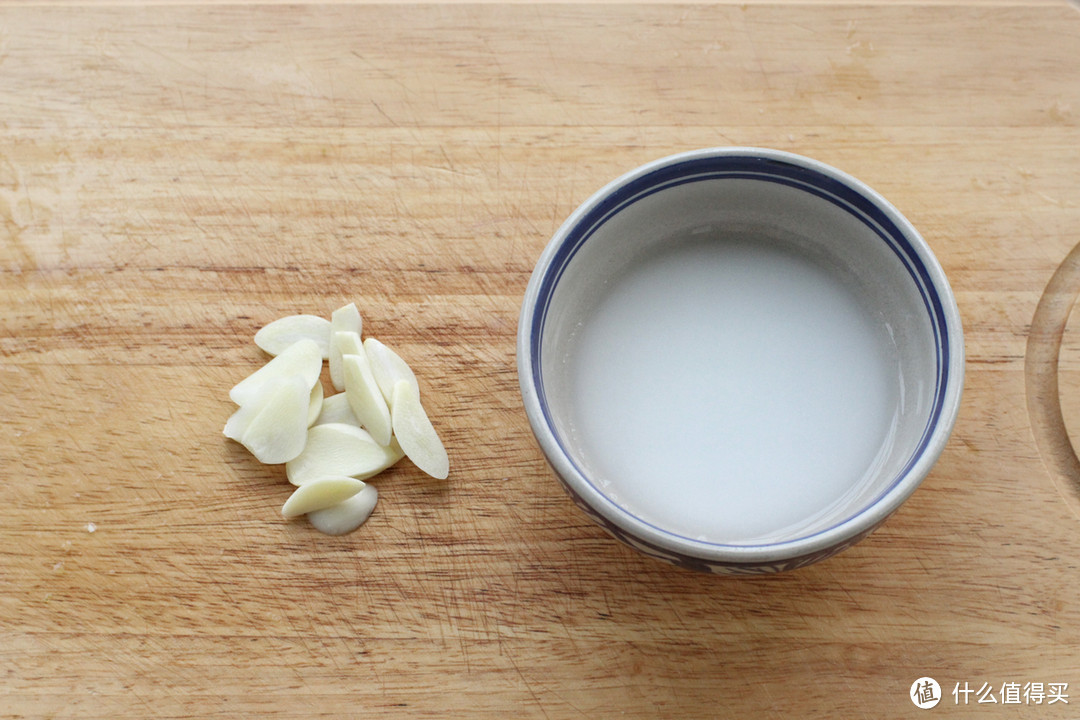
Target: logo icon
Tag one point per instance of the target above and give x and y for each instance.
(925, 693)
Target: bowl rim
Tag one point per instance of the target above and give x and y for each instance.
(854, 526)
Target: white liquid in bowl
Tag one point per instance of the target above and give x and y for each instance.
(729, 389)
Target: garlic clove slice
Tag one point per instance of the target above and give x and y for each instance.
(415, 433)
(347, 515)
(344, 319)
(239, 421)
(315, 403)
(348, 343)
(320, 494)
(388, 367)
(301, 358)
(364, 397)
(283, 332)
(335, 409)
(278, 430)
(339, 449)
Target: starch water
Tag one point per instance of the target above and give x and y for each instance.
(728, 389)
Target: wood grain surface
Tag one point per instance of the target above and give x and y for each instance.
(172, 178)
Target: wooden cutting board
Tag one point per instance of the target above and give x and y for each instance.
(172, 178)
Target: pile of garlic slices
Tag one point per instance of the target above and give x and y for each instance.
(331, 444)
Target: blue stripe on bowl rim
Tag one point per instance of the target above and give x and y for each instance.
(747, 167)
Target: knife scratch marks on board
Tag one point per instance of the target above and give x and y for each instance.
(143, 702)
(194, 70)
(528, 686)
(756, 55)
(183, 105)
(11, 230)
(449, 167)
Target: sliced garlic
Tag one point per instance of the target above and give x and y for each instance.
(349, 343)
(241, 420)
(315, 403)
(320, 494)
(388, 367)
(335, 409)
(415, 433)
(277, 432)
(364, 397)
(331, 444)
(301, 358)
(339, 449)
(280, 334)
(347, 515)
(344, 319)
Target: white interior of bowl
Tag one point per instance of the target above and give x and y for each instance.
(724, 502)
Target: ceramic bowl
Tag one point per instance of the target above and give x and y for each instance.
(739, 360)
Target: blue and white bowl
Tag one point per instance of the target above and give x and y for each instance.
(739, 360)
